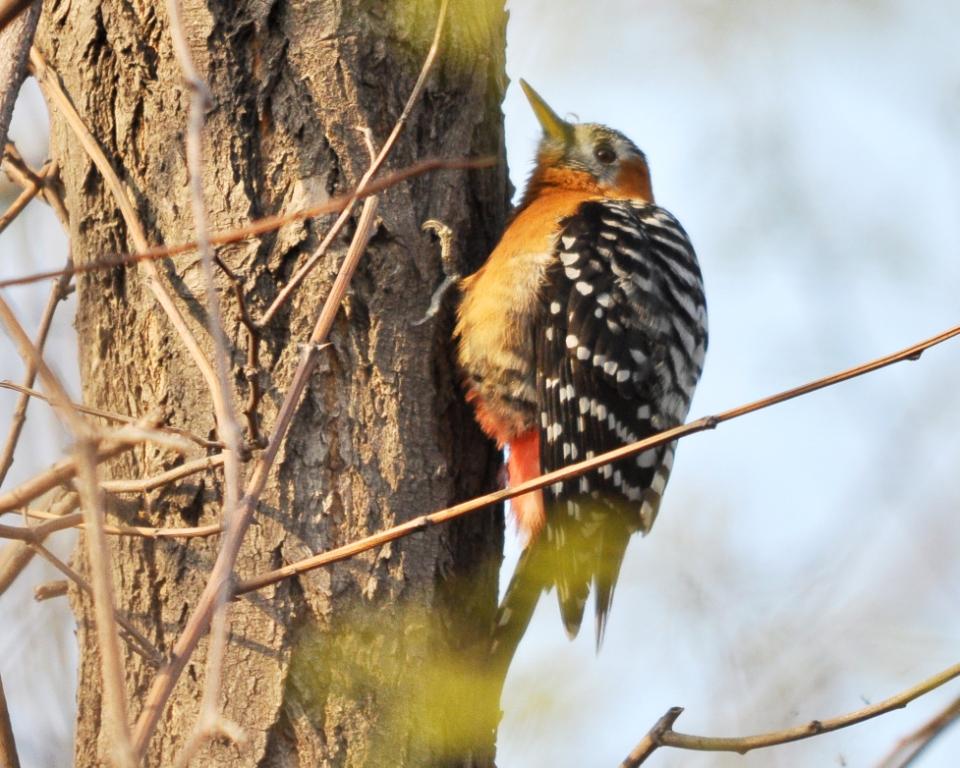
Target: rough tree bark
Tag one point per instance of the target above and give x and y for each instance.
(359, 664)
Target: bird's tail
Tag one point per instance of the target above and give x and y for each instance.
(530, 579)
(588, 539)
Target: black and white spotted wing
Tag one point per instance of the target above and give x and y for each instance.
(624, 336)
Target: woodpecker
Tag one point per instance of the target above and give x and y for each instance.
(584, 330)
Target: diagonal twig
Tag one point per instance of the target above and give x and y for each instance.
(363, 186)
(8, 746)
(913, 745)
(34, 188)
(91, 499)
(663, 735)
(185, 433)
(60, 473)
(50, 83)
(210, 721)
(138, 641)
(20, 173)
(423, 522)
(260, 226)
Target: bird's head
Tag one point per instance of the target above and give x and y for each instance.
(585, 156)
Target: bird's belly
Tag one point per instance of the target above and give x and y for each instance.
(496, 351)
(502, 387)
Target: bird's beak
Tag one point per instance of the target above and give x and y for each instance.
(553, 126)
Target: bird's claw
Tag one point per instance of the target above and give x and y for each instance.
(452, 276)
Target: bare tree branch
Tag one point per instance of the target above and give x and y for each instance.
(8, 747)
(652, 739)
(261, 226)
(34, 188)
(663, 735)
(185, 433)
(16, 36)
(141, 531)
(85, 459)
(138, 641)
(50, 82)
(51, 589)
(16, 555)
(148, 484)
(912, 746)
(60, 473)
(581, 467)
(20, 173)
(210, 721)
(35, 534)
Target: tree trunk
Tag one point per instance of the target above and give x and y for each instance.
(364, 663)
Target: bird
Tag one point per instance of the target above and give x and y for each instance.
(584, 330)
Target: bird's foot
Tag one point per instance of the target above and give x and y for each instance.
(451, 275)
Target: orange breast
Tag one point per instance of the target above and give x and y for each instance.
(496, 315)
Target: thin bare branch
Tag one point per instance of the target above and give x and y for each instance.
(16, 555)
(58, 291)
(912, 746)
(261, 226)
(145, 532)
(581, 467)
(158, 437)
(147, 484)
(375, 165)
(25, 196)
(202, 442)
(85, 460)
(61, 472)
(8, 746)
(663, 735)
(37, 533)
(137, 640)
(50, 83)
(20, 173)
(51, 589)
(652, 739)
(228, 427)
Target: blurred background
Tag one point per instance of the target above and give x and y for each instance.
(804, 561)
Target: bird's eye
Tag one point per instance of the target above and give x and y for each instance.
(605, 154)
